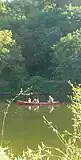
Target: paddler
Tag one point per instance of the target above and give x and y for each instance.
(51, 99)
(29, 100)
(34, 100)
(37, 101)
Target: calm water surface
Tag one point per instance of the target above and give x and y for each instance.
(27, 128)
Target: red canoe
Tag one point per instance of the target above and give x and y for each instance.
(38, 104)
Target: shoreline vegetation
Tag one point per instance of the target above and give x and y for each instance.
(44, 88)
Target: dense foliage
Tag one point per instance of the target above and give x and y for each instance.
(71, 141)
(40, 39)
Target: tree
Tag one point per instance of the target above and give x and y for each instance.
(5, 41)
(11, 60)
(21, 9)
(36, 26)
(5, 35)
(68, 56)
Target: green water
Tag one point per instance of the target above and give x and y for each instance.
(27, 128)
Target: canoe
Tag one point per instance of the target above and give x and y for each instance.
(56, 103)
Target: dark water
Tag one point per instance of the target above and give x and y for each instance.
(27, 128)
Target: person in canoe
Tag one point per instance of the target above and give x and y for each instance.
(29, 100)
(51, 99)
(36, 100)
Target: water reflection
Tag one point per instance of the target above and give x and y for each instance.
(25, 127)
(51, 109)
(37, 107)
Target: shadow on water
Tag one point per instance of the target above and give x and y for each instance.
(27, 128)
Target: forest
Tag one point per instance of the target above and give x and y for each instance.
(40, 53)
(40, 45)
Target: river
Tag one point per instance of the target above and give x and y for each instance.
(25, 127)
